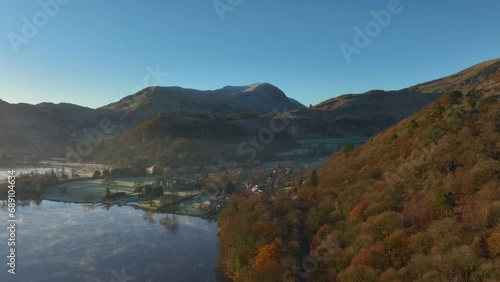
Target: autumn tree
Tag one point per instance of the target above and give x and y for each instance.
(494, 244)
(446, 203)
(266, 254)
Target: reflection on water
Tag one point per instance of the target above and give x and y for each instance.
(74, 242)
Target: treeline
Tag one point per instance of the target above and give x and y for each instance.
(183, 139)
(419, 202)
(119, 172)
(30, 186)
(182, 125)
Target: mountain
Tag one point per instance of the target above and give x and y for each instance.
(463, 81)
(418, 202)
(42, 130)
(257, 99)
(378, 109)
(48, 129)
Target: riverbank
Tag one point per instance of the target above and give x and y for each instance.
(92, 191)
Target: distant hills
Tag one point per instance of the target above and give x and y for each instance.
(257, 99)
(45, 130)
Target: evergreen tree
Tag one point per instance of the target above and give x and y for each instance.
(313, 179)
(348, 147)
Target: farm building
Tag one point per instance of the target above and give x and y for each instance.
(163, 183)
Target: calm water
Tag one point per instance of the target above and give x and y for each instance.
(71, 242)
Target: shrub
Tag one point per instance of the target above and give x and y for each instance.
(348, 147)
(456, 118)
(440, 110)
(412, 125)
(446, 203)
(471, 102)
(454, 97)
(494, 244)
(394, 137)
(436, 134)
(484, 103)
(158, 191)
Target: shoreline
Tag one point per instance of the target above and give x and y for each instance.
(90, 192)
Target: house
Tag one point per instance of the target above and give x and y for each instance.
(205, 205)
(213, 205)
(218, 204)
(163, 183)
(151, 170)
(256, 190)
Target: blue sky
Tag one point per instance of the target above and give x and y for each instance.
(95, 52)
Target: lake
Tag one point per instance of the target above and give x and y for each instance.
(74, 242)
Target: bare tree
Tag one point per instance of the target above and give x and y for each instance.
(108, 181)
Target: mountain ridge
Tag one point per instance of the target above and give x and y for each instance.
(343, 116)
(256, 98)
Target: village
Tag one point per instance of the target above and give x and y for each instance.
(194, 191)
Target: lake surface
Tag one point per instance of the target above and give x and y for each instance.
(73, 242)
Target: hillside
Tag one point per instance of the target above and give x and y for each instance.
(257, 98)
(418, 202)
(181, 138)
(353, 116)
(375, 110)
(46, 130)
(41, 131)
(463, 81)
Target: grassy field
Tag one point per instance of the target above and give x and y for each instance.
(91, 190)
(83, 191)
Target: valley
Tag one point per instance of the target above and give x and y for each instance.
(250, 141)
(354, 178)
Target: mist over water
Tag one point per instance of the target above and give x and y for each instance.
(74, 242)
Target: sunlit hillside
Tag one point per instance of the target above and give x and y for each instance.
(418, 202)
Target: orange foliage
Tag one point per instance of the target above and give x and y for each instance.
(375, 214)
(267, 254)
(374, 256)
(494, 244)
(358, 210)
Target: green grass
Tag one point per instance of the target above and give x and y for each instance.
(85, 190)
(80, 191)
